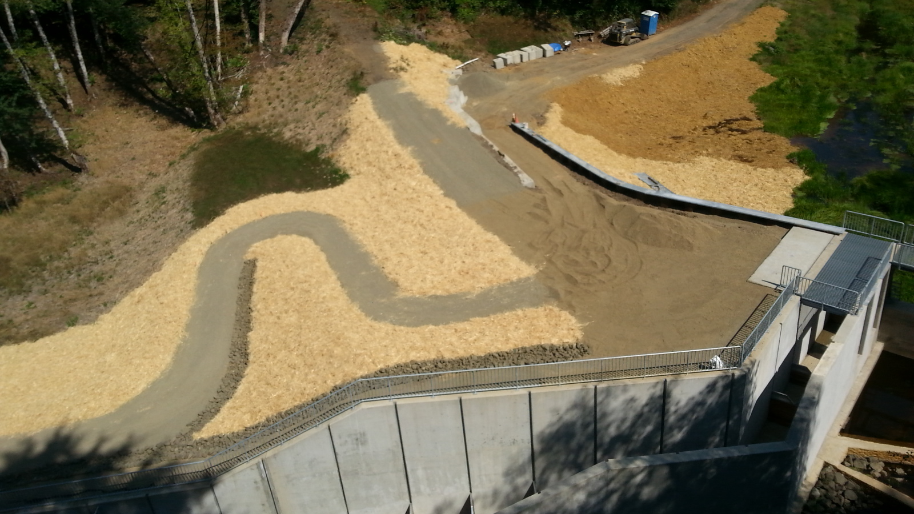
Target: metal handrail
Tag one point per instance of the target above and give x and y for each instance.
(756, 335)
(882, 228)
(388, 388)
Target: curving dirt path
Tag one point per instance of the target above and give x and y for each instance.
(176, 398)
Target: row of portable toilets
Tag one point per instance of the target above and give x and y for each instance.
(527, 53)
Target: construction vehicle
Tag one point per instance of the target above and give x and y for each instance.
(627, 32)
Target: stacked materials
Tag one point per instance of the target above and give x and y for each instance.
(527, 53)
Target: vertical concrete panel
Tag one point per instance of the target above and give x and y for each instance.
(696, 412)
(194, 501)
(244, 491)
(371, 462)
(629, 415)
(498, 445)
(304, 476)
(563, 433)
(435, 455)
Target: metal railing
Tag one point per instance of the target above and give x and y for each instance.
(904, 255)
(828, 295)
(387, 388)
(756, 335)
(875, 226)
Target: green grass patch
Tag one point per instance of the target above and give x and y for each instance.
(242, 164)
(903, 285)
(354, 84)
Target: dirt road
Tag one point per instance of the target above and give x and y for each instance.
(494, 96)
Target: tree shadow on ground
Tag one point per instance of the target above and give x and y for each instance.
(26, 481)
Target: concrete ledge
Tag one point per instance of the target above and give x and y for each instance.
(656, 198)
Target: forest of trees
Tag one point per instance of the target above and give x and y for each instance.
(184, 58)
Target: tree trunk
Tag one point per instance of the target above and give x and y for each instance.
(5, 177)
(245, 23)
(79, 52)
(97, 35)
(152, 60)
(290, 23)
(262, 26)
(40, 99)
(212, 108)
(218, 41)
(52, 55)
(9, 20)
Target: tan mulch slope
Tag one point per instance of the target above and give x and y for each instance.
(686, 120)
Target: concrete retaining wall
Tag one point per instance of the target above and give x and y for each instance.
(747, 479)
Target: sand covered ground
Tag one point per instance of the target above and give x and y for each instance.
(425, 74)
(420, 238)
(686, 120)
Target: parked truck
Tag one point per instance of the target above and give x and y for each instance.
(627, 32)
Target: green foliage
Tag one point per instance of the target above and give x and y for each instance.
(903, 285)
(241, 164)
(18, 116)
(828, 53)
(354, 84)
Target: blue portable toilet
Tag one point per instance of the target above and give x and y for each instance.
(649, 22)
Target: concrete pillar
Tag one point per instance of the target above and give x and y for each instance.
(370, 459)
(629, 418)
(497, 429)
(563, 433)
(245, 491)
(547, 50)
(436, 463)
(304, 476)
(499, 63)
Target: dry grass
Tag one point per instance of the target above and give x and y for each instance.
(309, 337)
(718, 180)
(424, 74)
(420, 238)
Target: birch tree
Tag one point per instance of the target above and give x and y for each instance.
(5, 175)
(245, 23)
(24, 72)
(290, 22)
(218, 41)
(212, 107)
(51, 55)
(262, 26)
(9, 20)
(79, 53)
